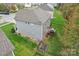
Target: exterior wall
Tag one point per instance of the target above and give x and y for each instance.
(29, 29)
(46, 26)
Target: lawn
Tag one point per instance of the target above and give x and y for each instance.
(54, 42)
(23, 45)
(58, 22)
(3, 23)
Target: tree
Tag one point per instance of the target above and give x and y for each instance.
(69, 11)
(3, 8)
(70, 38)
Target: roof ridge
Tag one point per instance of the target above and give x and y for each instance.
(38, 16)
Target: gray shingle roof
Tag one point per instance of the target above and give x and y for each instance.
(46, 7)
(34, 15)
(5, 45)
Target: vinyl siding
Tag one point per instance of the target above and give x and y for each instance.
(29, 29)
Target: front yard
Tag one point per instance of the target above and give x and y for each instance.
(23, 46)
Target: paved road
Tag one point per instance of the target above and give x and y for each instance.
(7, 18)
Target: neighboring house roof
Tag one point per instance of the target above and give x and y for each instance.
(34, 15)
(5, 45)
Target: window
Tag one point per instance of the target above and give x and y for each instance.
(27, 22)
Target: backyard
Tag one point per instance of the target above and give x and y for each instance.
(25, 46)
(57, 45)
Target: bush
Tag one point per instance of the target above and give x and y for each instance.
(13, 30)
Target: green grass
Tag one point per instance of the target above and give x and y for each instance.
(3, 23)
(77, 22)
(58, 22)
(54, 43)
(23, 45)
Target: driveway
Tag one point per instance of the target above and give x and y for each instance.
(5, 45)
(7, 18)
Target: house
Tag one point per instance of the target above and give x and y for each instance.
(6, 48)
(27, 4)
(33, 22)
